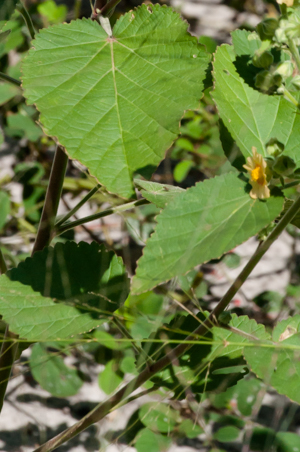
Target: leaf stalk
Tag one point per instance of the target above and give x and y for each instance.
(96, 216)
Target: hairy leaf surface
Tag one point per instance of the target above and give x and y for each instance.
(115, 103)
(201, 224)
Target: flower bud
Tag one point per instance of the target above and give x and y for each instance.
(286, 2)
(285, 69)
(264, 81)
(266, 29)
(274, 148)
(284, 165)
(264, 60)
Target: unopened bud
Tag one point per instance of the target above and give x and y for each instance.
(274, 148)
(264, 81)
(264, 60)
(284, 165)
(266, 29)
(285, 69)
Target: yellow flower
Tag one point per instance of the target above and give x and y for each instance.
(257, 168)
(286, 2)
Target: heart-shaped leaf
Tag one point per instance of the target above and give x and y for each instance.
(115, 103)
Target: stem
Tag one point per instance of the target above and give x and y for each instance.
(23, 11)
(104, 213)
(290, 98)
(53, 194)
(290, 184)
(295, 52)
(103, 409)
(9, 79)
(109, 7)
(77, 207)
(137, 348)
(7, 358)
(8, 349)
(3, 266)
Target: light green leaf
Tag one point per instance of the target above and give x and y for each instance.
(287, 442)
(200, 224)
(36, 318)
(49, 370)
(158, 417)
(253, 118)
(227, 434)
(279, 363)
(148, 441)
(245, 42)
(115, 103)
(4, 206)
(111, 377)
(7, 92)
(182, 169)
(20, 125)
(158, 194)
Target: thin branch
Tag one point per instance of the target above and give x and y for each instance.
(104, 213)
(7, 358)
(24, 13)
(9, 79)
(77, 207)
(103, 409)
(138, 349)
(53, 194)
(110, 6)
(3, 266)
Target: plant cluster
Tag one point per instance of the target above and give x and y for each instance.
(112, 98)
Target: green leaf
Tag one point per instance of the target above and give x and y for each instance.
(111, 377)
(115, 103)
(287, 442)
(253, 118)
(279, 363)
(49, 370)
(158, 417)
(245, 42)
(53, 13)
(182, 169)
(7, 92)
(189, 429)
(200, 224)
(227, 434)
(20, 125)
(7, 8)
(36, 318)
(199, 367)
(147, 441)
(83, 273)
(158, 194)
(4, 207)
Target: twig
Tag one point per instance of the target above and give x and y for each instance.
(24, 13)
(77, 207)
(103, 409)
(53, 194)
(96, 216)
(9, 79)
